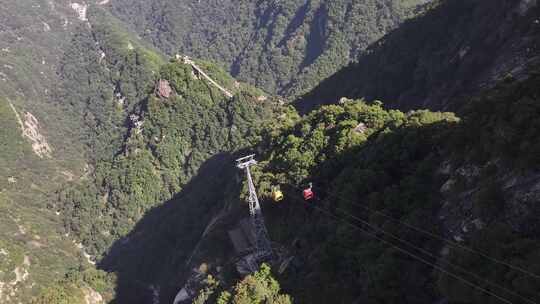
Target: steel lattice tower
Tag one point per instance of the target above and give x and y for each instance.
(263, 247)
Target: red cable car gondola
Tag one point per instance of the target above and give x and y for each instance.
(308, 193)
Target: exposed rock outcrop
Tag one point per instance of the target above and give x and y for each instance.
(472, 200)
(92, 297)
(9, 289)
(81, 10)
(31, 130)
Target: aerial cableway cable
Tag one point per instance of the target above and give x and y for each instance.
(428, 253)
(440, 260)
(410, 254)
(438, 237)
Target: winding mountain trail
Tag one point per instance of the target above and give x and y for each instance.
(187, 60)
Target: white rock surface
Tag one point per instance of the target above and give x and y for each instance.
(81, 9)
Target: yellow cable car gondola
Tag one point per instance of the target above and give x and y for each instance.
(277, 195)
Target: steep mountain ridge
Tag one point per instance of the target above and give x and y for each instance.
(283, 47)
(452, 51)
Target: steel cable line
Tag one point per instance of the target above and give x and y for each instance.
(412, 255)
(432, 255)
(431, 234)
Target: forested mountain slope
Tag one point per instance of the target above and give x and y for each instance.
(64, 69)
(32, 248)
(37, 154)
(31, 47)
(119, 159)
(283, 47)
(450, 52)
(168, 139)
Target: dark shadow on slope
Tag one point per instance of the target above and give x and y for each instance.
(317, 38)
(430, 61)
(156, 250)
(295, 23)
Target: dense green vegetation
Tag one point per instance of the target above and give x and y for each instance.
(257, 288)
(105, 73)
(31, 45)
(32, 250)
(504, 123)
(27, 56)
(77, 286)
(388, 166)
(12, 143)
(284, 47)
(176, 137)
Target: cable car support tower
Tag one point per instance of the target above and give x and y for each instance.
(263, 247)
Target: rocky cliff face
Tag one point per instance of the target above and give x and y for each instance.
(516, 196)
